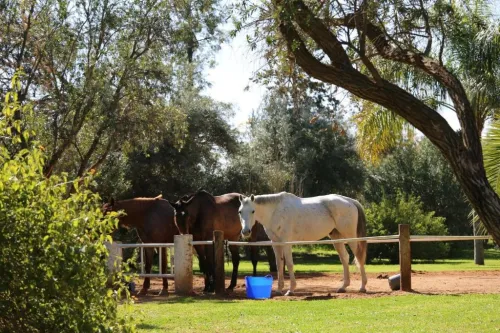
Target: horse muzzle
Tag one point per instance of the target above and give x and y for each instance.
(246, 232)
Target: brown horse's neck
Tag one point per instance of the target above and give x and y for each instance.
(135, 210)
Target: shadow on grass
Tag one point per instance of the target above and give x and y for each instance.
(174, 299)
(144, 326)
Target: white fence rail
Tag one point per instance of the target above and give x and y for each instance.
(371, 240)
(159, 246)
(142, 246)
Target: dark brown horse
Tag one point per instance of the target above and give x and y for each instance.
(200, 214)
(258, 235)
(153, 219)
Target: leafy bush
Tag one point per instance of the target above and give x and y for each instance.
(383, 219)
(53, 259)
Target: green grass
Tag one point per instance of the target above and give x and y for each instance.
(409, 313)
(403, 313)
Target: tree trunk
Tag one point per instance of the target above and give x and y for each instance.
(482, 197)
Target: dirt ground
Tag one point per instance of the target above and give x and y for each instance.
(324, 286)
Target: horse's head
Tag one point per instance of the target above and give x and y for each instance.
(247, 214)
(108, 207)
(113, 206)
(184, 213)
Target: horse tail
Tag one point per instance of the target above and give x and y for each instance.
(361, 232)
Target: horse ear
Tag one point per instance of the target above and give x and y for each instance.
(241, 198)
(252, 198)
(188, 201)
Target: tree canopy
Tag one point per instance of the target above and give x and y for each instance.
(409, 57)
(102, 74)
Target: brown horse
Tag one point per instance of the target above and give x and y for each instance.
(200, 214)
(258, 235)
(153, 219)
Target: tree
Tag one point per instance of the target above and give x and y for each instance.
(418, 169)
(366, 47)
(101, 74)
(172, 171)
(302, 146)
(53, 260)
(386, 215)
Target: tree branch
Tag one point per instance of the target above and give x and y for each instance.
(388, 95)
(471, 136)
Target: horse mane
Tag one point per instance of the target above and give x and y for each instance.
(270, 198)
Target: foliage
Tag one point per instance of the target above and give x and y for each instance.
(53, 258)
(491, 145)
(418, 169)
(102, 74)
(409, 57)
(302, 147)
(384, 218)
(174, 172)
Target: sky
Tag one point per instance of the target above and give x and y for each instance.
(233, 72)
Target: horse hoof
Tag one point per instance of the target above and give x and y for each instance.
(341, 290)
(279, 293)
(229, 289)
(142, 292)
(289, 293)
(163, 292)
(362, 290)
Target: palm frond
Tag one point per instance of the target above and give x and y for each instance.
(379, 130)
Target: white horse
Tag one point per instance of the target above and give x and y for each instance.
(287, 217)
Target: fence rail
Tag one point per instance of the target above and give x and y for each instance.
(403, 238)
(415, 238)
(371, 240)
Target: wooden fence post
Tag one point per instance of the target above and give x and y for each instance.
(183, 261)
(219, 262)
(405, 257)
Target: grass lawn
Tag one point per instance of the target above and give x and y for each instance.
(402, 313)
(408, 313)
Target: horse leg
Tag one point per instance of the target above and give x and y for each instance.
(271, 259)
(200, 250)
(149, 251)
(210, 266)
(254, 256)
(344, 259)
(287, 251)
(359, 250)
(163, 263)
(278, 253)
(235, 258)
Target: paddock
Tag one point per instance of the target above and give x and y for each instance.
(318, 285)
(315, 286)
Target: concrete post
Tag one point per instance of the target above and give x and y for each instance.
(183, 261)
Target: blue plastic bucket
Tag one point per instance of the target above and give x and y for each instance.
(259, 287)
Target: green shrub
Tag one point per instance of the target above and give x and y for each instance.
(384, 218)
(52, 257)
